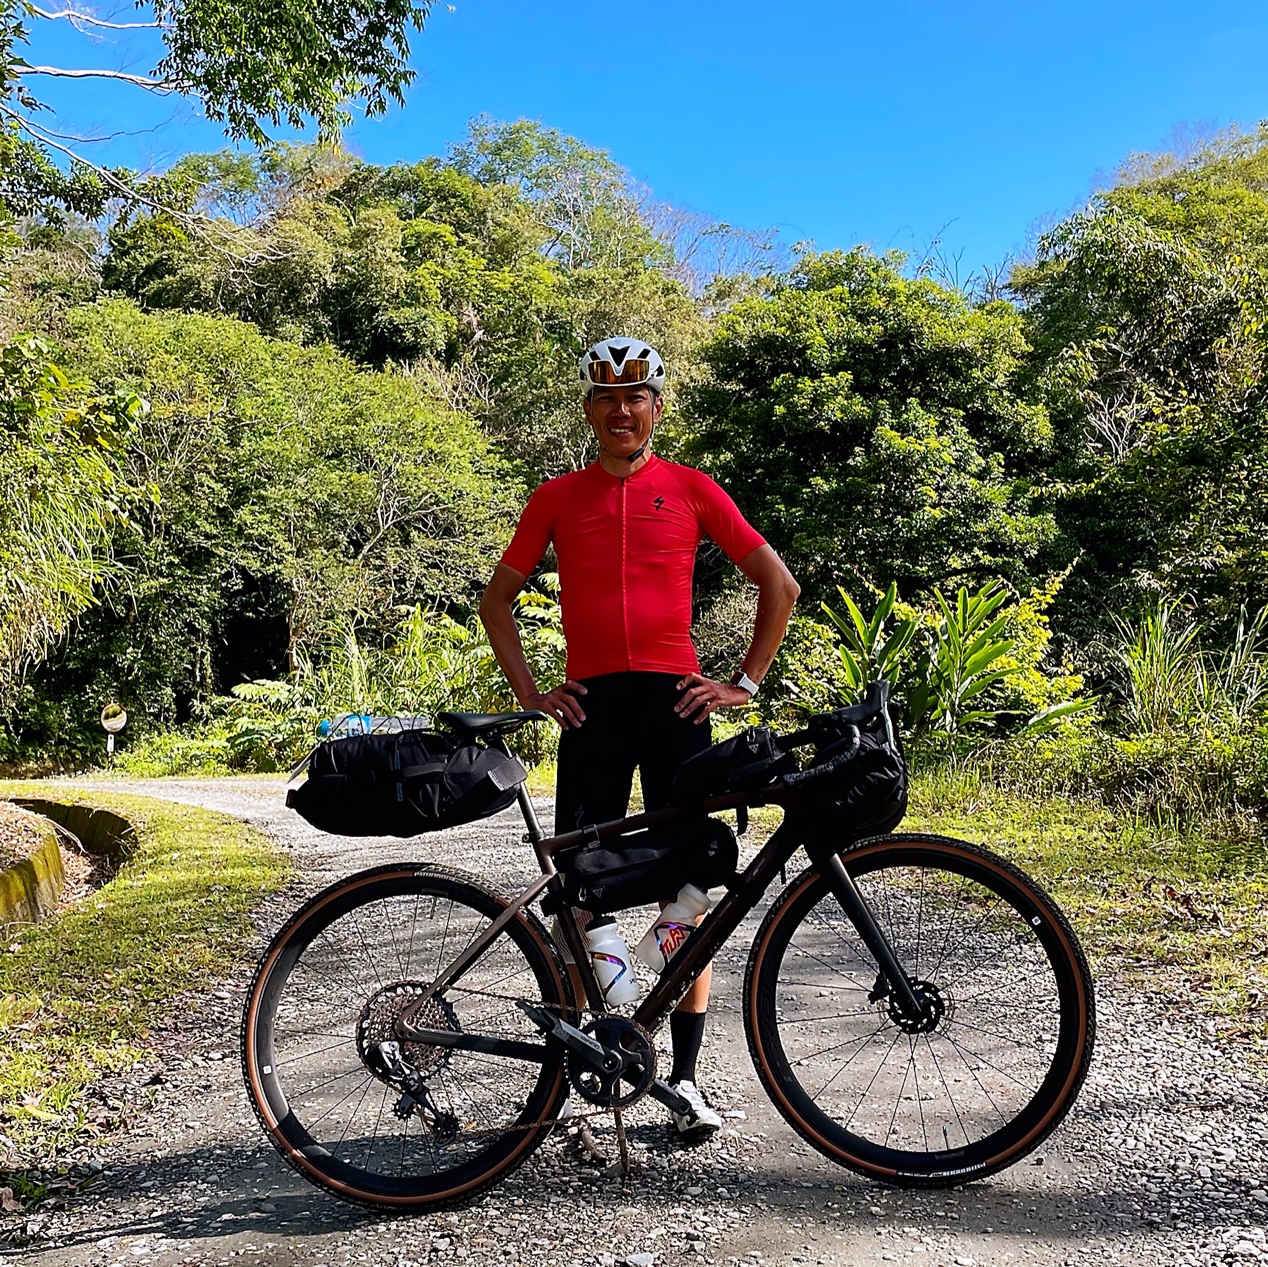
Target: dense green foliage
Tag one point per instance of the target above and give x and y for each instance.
(60, 467)
(872, 425)
(355, 379)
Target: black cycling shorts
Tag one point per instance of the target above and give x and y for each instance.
(630, 722)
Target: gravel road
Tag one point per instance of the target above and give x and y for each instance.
(1163, 1161)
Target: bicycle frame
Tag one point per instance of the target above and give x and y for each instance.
(700, 948)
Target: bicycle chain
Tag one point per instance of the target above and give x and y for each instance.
(576, 1117)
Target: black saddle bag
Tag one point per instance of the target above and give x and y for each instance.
(403, 784)
(744, 763)
(648, 866)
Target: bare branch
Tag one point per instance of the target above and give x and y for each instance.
(202, 227)
(75, 17)
(59, 72)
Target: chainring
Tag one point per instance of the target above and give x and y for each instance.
(622, 1087)
(377, 1024)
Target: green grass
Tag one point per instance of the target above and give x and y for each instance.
(80, 993)
(1185, 910)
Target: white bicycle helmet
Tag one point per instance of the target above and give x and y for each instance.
(620, 362)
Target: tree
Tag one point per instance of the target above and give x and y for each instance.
(59, 460)
(295, 491)
(249, 67)
(420, 266)
(1146, 317)
(872, 426)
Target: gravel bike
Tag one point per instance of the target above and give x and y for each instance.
(917, 1009)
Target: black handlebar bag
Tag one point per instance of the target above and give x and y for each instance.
(403, 784)
(856, 783)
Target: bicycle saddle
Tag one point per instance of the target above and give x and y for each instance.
(489, 723)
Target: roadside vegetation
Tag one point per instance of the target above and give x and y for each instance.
(273, 412)
(81, 993)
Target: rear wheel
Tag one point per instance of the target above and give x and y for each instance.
(1008, 1032)
(328, 991)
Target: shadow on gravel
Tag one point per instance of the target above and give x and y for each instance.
(290, 1209)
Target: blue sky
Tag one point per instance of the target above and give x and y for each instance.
(835, 122)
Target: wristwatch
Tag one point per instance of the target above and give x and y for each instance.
(744, 682)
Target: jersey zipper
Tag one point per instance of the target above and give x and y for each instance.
(625, 609)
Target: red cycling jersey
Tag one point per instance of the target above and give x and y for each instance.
(627, 550)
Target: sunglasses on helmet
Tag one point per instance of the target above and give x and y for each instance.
(605, 374)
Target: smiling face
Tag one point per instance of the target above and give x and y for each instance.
(622, 417)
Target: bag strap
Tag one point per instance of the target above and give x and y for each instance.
(422, 771)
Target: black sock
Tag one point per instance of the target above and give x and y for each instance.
(686, 1031)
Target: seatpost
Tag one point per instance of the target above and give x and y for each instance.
(583, 965)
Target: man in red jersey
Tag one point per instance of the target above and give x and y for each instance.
(625, 531)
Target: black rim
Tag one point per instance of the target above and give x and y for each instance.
(377, 941)
(991, 1069)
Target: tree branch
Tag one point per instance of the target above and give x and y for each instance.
(75, 17)
(200, 226)
(141, 81)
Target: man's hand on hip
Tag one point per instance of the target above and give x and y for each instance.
(561, 703)
(701, 695)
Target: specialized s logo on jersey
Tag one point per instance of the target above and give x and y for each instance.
(658, 502)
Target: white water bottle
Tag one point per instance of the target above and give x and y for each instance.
(612, 965)
(673, 926)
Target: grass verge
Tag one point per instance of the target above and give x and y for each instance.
(81, 992)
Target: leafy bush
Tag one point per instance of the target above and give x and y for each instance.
(431, 664)
(1180, 777)
(951, 667)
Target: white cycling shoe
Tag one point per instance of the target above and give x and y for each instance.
(701, 1121)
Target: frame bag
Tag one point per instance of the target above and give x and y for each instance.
(403, 784)
(649, 866)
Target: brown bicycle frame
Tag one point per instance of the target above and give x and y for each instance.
(710, 935)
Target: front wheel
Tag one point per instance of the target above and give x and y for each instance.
(327, 999)
(997, 1060)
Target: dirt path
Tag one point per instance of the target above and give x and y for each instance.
(1164, 1160)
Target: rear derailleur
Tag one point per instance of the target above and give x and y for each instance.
(388, 1064)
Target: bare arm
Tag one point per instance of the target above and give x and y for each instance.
(497, 614)
(777, 592)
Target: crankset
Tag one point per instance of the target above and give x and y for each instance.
(611, 1063)
(620, 1086)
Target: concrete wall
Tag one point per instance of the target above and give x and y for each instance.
(29, 889)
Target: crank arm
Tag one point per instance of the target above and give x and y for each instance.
(663, 1093)
(594, 1053)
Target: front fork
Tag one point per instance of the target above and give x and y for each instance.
(911, 1007)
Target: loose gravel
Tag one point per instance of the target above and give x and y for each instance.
(1163, 1161)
